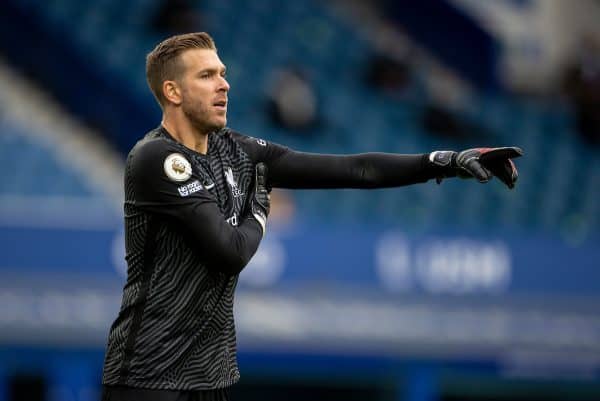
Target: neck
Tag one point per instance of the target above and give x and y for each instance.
(182, 130)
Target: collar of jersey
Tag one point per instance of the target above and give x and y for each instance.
(166, 133)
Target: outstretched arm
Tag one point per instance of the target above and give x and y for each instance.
(300, 170)
(367, 170)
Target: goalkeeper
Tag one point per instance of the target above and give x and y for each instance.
(196, 207)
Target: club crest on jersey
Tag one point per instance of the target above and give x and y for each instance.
(235, 191)
(177, 167)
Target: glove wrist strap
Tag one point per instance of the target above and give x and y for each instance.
(445, 161)
(260, 217)
(442, 158)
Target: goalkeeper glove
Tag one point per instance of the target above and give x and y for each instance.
(481, 163)
(261, 201)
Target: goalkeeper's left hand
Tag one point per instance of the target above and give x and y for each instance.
(481, 163)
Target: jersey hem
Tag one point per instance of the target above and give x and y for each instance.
(162, 386)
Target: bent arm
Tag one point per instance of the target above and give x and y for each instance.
(223, 247)
(191, 205)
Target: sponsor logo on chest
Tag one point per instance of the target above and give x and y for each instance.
(233, 220)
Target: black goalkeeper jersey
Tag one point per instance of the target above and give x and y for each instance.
(188, 234)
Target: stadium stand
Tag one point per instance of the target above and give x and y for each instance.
(357, 119)
(59, 171)
(458, 291)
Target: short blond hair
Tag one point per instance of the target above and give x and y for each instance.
(163, 63)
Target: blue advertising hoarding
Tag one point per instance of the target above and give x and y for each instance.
(317, 287)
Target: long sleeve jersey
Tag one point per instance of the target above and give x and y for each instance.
(188, 234)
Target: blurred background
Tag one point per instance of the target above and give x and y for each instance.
(453, 292)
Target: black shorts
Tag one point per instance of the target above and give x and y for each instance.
(124, 393)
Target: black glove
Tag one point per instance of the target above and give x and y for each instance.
(481, 163)
(498, 161)
(261, 201)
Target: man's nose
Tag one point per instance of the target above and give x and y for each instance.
(223, 85)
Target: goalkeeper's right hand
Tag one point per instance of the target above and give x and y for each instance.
(261, 201)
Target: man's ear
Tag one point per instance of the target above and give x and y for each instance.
(172, 92)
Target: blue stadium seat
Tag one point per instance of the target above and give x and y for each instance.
(270, 34)
(37, 171)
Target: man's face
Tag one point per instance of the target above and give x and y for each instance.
(204, 89)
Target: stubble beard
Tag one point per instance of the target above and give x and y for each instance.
(199, 116)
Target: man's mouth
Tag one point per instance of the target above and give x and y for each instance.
(221, 104)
